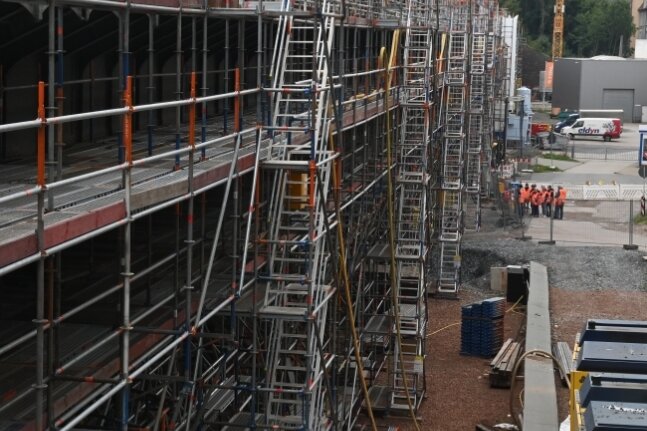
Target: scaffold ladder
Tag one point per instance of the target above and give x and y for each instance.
(413, 180)
(297, 283)
(476, 125)
(452, 185)
(489, 111)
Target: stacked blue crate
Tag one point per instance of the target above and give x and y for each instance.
(482, 327)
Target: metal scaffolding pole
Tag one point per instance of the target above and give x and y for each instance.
(178, 85)
(60, 99)
(51, 95)
(151, 82)
(126, 274)
(204, 89)
(40, 321)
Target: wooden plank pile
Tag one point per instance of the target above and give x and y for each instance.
(503, 363)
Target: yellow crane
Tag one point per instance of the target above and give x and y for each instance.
(558, 29)
(558, 43)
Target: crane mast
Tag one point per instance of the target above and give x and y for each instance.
(558, 29)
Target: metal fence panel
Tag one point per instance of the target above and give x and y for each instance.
(639, 230)
(606, 153)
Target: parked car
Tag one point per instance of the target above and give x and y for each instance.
(608, 128)
(563, 114)
(569, 121)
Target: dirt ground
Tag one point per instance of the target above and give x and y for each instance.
(458, 393)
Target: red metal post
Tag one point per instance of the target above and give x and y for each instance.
(128, 129)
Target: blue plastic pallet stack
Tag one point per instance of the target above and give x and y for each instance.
(482, 327)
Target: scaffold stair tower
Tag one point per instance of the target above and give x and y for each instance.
(476, 123)
(413, 181)
(297, 283)
(452, 185)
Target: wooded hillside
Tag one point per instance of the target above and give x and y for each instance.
(591, 27)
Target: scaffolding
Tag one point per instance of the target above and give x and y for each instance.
(452, 181)
(477, 123)
(298, 284)
(203, 175)
(413, 176)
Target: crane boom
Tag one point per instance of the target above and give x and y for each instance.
(558, 29)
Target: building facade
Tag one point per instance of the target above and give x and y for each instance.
(593, 83)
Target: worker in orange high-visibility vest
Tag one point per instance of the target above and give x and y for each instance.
(549, 201)
(534, 201)
(542, 199)
(560, 199)
(524, 196)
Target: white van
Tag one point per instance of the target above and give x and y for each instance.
(608, 128)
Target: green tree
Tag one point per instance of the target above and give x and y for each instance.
(591, 27)
(599, 28)
(513, 6)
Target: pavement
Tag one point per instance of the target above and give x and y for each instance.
(595, 223)
(592, 165)
(576, 232)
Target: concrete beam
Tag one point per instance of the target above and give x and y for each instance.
(540, 395)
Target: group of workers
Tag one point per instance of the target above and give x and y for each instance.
(534, 199)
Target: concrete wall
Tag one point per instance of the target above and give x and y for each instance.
(566, 83)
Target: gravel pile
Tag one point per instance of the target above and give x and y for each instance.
(577, 268)
(569, 267)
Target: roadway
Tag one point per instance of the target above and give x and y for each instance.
(597, 162)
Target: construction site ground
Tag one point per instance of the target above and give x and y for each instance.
(585, 282)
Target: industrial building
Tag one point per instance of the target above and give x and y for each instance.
(601, 83)
(230, 214)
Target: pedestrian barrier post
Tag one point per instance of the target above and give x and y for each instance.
(523, 236)
(572, 150)
(550, 241)
(631, 245)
